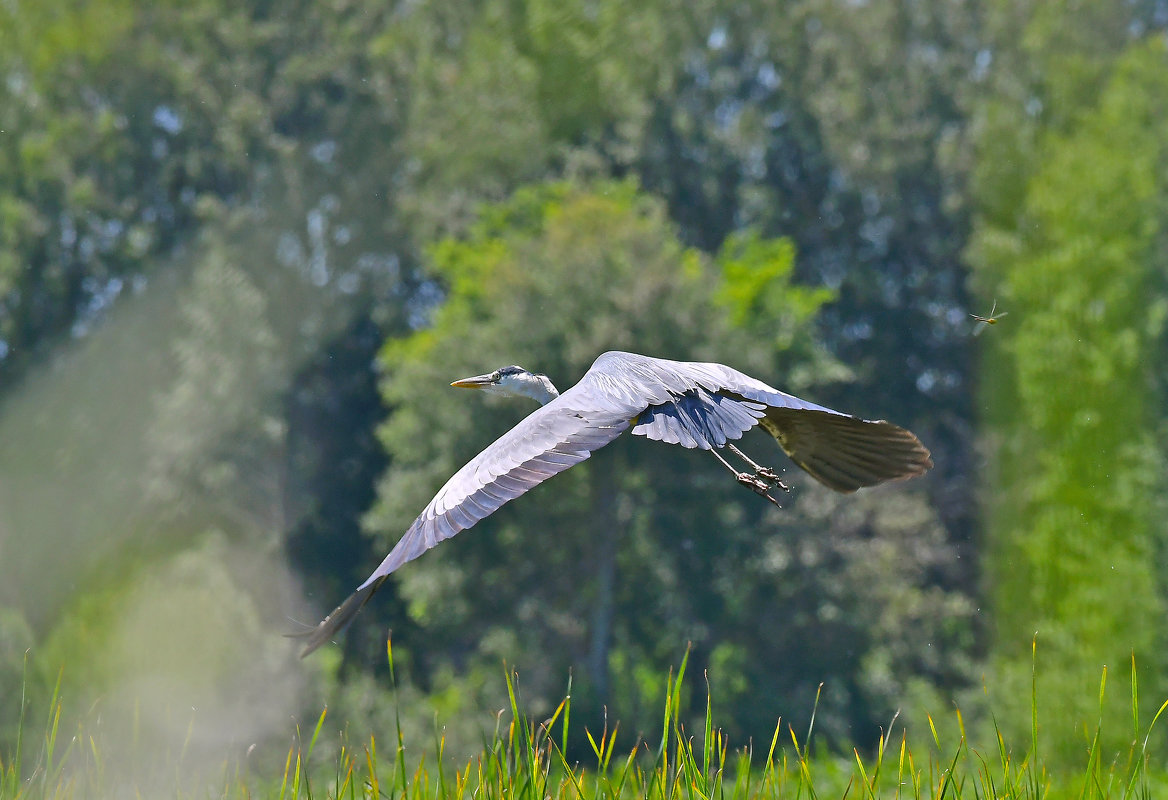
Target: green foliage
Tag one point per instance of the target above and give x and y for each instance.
(172, 666)
(521, 756)
(174, 234)
(216, 440)
(504, 92)
(127, 129)
(16, 639)
(770, 312)
(1073, 401)
(1046, 72)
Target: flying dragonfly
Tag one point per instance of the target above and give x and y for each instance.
(984, 322)
(703, 406)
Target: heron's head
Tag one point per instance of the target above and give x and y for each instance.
(512, 381)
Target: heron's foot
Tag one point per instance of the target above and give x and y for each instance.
(771, 477)
(759, 486)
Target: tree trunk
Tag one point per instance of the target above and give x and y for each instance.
(604, 537)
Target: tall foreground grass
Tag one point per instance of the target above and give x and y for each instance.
(526, 759)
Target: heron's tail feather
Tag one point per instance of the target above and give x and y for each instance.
(846, 453)
(337, 621)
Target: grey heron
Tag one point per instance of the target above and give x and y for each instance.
(695, 405)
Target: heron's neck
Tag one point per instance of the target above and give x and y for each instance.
(539, 392)
(537, 387)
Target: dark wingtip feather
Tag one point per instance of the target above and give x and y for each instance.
(337, 621)
(848, 453)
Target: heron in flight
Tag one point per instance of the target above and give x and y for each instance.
(695, 405)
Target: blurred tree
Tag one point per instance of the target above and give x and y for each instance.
(335, 459)
(236, 162)
(646, 544)
(1041, 69)
(1074, 402)
(126, 128)
(102, 164)
(186, 134)
(218, 437)
(503, 92)
(181, 664)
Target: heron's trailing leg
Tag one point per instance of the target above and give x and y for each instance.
(766, 473)
(758, 485)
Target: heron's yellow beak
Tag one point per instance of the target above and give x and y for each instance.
(475, 382)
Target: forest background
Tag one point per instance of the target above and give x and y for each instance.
(245, 247)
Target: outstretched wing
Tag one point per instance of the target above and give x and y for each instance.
(847, 453)
(548, 441)
(544, 444)
(709, 404)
